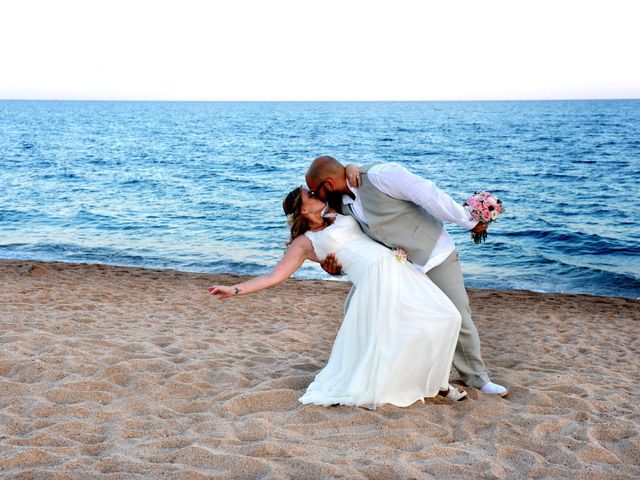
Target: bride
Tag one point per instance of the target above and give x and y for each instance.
(398, 336)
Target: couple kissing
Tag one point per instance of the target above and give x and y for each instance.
(407, 317)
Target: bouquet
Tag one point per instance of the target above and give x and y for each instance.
(484, 208)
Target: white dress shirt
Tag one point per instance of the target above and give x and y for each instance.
(398, 182)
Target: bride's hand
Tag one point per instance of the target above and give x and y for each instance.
(353, 175)
(221, 292)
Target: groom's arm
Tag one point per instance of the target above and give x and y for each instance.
(398, 182)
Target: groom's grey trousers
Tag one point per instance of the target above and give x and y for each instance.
(467, 360)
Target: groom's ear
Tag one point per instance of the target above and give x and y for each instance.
(330, 184)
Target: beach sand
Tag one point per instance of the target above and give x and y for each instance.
(113, 372)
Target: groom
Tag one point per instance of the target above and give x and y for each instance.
(400, 209)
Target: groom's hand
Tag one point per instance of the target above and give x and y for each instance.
(480, 227)
(331, 265)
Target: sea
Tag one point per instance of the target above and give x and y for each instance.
(198, 186)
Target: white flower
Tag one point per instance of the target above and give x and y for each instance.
(400, 255)
(290, 219)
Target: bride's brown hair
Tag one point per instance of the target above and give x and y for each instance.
(292, 206)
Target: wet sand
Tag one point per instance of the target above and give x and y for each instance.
(114, 372)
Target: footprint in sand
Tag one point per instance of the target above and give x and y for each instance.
(272, 400)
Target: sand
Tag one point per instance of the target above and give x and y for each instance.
(113, 372)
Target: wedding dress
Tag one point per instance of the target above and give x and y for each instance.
(398, 336)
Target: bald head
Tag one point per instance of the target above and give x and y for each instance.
(328, 173)
(324, 167)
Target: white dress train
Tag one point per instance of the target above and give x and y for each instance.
(397, 339)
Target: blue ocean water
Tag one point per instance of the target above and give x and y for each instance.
(198, 186)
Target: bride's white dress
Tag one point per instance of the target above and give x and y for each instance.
(398, 336)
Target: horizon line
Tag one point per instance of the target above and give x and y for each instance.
(313, 101)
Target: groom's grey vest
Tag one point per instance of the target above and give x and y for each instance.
(397, 223)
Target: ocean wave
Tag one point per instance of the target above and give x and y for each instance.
(576, 243)
(203, 192)
(264, 168)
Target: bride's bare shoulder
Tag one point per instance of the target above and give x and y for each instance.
(304, 244)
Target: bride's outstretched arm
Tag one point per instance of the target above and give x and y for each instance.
(300, 250)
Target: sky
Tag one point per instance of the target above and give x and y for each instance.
(321, 50)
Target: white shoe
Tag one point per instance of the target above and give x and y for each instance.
(453, 394)
(494, 389)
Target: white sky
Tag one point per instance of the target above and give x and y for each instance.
(319, 50)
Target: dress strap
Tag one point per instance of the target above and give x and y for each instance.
(310, 235)
(313, 238)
